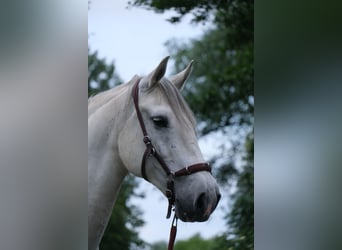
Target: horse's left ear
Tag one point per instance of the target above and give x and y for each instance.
(157, 74)
(180, 79)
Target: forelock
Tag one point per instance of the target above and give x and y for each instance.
(176, 101)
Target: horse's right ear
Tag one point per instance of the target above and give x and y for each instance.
(156, 75)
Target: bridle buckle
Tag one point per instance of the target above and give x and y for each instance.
(147, 140)
(152, 150)
(168, 193)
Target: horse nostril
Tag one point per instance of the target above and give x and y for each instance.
(200, 201)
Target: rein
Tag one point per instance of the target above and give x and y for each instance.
(151, 151)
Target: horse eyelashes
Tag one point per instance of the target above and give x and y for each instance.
(160, 121)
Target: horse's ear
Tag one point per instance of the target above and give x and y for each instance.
(158, 73)
(180, 79)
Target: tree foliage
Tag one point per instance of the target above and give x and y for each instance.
(200, 10)
(160, 245)
(221, 89)
(195, 242)
(126, 218)
(101, 75)
(240, 220)
(221, 94)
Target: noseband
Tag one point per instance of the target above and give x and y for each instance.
(151, 151)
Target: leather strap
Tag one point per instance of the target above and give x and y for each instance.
(135, 95)
(193, 169)
(173, 233)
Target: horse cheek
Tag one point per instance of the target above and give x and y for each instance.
(131, 159)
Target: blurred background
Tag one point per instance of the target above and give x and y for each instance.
(131, 37)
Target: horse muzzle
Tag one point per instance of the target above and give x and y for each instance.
(198, 209)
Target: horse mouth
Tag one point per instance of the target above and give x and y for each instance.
(199, 216)
(192, 218)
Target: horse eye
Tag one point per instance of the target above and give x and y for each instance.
(160, 121)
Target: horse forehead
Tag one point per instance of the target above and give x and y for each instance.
(157, 102)
(156, 98)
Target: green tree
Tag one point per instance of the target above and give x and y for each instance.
(221, 94)
(126, 218)
(240, 220)
(101, 75)
(160, 245)
(195, 242)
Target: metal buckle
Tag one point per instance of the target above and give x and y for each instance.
(168, 193)
(147, 140)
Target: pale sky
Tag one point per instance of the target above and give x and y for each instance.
(134, 39)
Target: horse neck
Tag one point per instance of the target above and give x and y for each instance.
(105, 169)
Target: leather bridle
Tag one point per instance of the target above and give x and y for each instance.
(151, 151)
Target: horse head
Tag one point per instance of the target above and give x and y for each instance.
(170, 126)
